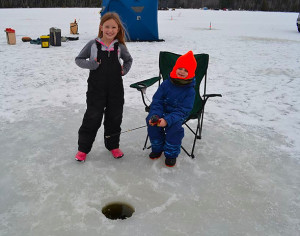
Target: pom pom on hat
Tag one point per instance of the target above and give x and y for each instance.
(186, 61)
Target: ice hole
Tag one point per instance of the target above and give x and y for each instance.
(117, 210)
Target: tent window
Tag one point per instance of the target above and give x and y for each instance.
(137, 9)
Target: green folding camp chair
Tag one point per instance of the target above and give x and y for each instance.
(167, 61)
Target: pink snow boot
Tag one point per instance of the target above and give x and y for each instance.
(117, 153)
(80, 156)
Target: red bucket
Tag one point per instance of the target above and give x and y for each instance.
(10, 36)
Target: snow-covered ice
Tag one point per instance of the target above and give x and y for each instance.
(245, 177)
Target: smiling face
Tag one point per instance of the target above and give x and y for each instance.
(110, 30)
(181, 73)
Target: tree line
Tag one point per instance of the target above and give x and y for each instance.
(49, 3)
(260, 5)
(254, 5)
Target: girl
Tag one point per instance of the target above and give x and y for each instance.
(105, 95)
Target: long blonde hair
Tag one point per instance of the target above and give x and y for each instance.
(113, 15)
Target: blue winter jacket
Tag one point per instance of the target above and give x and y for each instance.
(173, 102)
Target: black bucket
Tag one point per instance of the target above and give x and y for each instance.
(55, 36)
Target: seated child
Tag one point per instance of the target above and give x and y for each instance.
(171, 105)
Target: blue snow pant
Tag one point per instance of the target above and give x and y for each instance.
(167, 139)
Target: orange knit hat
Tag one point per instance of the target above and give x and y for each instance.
(186, 61)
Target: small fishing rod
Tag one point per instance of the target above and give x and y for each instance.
(109, 136)
(154, 120)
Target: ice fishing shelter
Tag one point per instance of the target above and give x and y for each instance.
(139, 17)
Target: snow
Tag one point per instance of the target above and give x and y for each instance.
(245, 177)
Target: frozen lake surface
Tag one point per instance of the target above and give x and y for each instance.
(245, 177)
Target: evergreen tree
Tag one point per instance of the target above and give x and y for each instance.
(264, 5)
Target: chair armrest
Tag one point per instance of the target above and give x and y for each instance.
(145, 83)
(212, 95)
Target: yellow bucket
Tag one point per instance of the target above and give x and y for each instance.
(45, 41)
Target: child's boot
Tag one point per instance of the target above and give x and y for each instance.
(80, 156)
(155, 155)
(117, 153)
(170, 162)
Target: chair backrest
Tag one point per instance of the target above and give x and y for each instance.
(167, 61)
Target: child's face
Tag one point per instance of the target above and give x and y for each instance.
(110, 29)
(182, 73)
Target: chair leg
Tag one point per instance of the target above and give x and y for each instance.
(145, 145)
(201, 123)
(197, 136)
(187, 153)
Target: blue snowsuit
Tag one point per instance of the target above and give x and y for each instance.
(173, 103)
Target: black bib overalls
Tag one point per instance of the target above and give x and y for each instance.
(105, 96)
